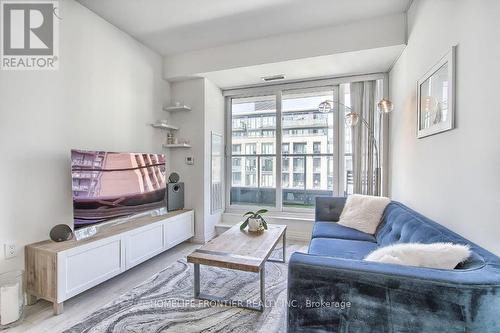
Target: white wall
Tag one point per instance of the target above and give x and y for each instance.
(107, 90)
(214, 121)
(191, 127)
(207, 114)
(452, 177)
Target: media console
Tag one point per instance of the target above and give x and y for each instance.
(58, 271)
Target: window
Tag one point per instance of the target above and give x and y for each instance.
(285, 180)
(316, 180)
(268, 121)
(267, 148)
(306, 140)
(268, 133)
(299, 148)
(317, 164)
(267, 165)
(251, 149)
(267, 181)
(237, 149)
(250, 180)
(285, 148)
(310, 134)
(285, 164)
(298, 180)
(251, 164)
(298, 164)
(257, 138)
(317, 147)
(306, 164)
(236, 178)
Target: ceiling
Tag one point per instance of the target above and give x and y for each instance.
(336, 65)
(176, 26)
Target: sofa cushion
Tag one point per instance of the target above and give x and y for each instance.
(323, 229)
(329, 208)
(341, 248)
(363, 212)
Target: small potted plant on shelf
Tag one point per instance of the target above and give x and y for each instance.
(255, 221)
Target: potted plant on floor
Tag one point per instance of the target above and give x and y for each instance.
(255, 221)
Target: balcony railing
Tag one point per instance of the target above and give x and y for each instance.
(287, 123)
(299, 190)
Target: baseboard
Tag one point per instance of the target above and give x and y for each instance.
(196, 240)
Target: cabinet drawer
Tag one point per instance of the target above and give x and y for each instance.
(178, 229)
(87, 266)
(143, 244)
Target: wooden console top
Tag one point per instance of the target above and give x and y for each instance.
(104, 232)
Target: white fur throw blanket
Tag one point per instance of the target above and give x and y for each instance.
(434, 255)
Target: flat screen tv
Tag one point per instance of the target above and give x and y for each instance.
(108, 186)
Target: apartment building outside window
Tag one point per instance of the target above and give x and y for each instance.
(236, 178)
(251, 148)
(317, 147)
(285, 148)
(299, 148)
(267, 148)
(237, 149)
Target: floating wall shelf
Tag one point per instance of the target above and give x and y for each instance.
(165, 126)
(177, 145)
(176, 108)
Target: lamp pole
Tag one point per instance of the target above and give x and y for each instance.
(377, 170)
(385, 106)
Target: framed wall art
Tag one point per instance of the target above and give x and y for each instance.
(435, 97)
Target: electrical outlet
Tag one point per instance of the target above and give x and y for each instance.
(10, 250)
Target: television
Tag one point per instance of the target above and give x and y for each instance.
(109, 186)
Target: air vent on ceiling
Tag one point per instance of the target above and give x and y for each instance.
(273, 77)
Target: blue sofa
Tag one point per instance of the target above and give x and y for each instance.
(331, 289)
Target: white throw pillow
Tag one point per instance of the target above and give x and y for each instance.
(435, 255)
(363, 212)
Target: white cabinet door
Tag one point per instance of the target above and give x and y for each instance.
(143, 243)
(86, 266)
(178, 229)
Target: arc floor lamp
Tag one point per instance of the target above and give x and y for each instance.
(354, 118)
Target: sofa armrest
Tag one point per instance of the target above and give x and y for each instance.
(374, 297)
(329, 208)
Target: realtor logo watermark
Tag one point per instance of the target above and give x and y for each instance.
(29, 35)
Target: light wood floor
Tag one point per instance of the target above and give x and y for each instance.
(40, 319)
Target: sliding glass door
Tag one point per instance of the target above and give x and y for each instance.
(283, 149)
(308, 155)
(253, 151)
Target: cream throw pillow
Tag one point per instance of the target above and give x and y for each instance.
(363, 212)
(435, 255)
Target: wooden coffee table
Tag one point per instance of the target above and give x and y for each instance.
(240, 250)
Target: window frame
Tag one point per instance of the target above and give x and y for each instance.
(277, 90)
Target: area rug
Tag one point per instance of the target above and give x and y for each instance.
(165, 302)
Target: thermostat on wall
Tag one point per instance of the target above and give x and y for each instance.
(189, 160)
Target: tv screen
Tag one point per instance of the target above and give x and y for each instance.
(108, 185)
